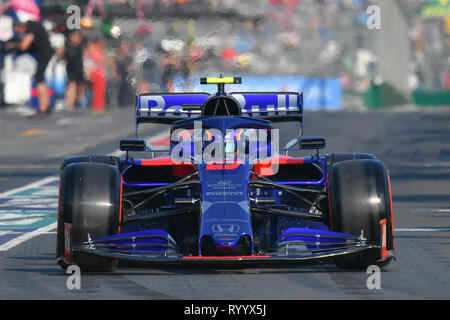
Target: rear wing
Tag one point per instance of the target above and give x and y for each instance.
(170, 107)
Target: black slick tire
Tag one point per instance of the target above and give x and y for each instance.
(360, 199)
(90, 196)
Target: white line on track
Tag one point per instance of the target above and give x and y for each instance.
(26, 236)
(441, 164)
(35, 184)
(432, 210)
(420, 229)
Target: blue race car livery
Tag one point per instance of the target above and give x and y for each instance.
(224, 191)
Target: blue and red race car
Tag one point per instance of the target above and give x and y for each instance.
(224, 191)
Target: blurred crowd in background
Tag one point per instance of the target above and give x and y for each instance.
(139, 46)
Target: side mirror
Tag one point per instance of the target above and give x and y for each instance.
(312, 143)
(132, 145)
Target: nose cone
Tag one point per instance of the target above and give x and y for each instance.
(225, 210)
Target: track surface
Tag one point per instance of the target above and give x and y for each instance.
(414, 145)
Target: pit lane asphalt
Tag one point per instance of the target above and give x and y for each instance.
(413, 144)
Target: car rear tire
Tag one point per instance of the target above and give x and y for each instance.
(90, 196)
(360, 198)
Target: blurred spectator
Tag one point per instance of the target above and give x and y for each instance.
(446, 78)
(73, 53)
(112, 85)
(169, 65)
(152, 75)
(36, 42)
(124, 67)
(96, 71)
(141, 55)
(228, 56)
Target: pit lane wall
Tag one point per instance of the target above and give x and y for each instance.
(318, 93)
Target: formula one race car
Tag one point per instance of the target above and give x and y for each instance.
(224, 191)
